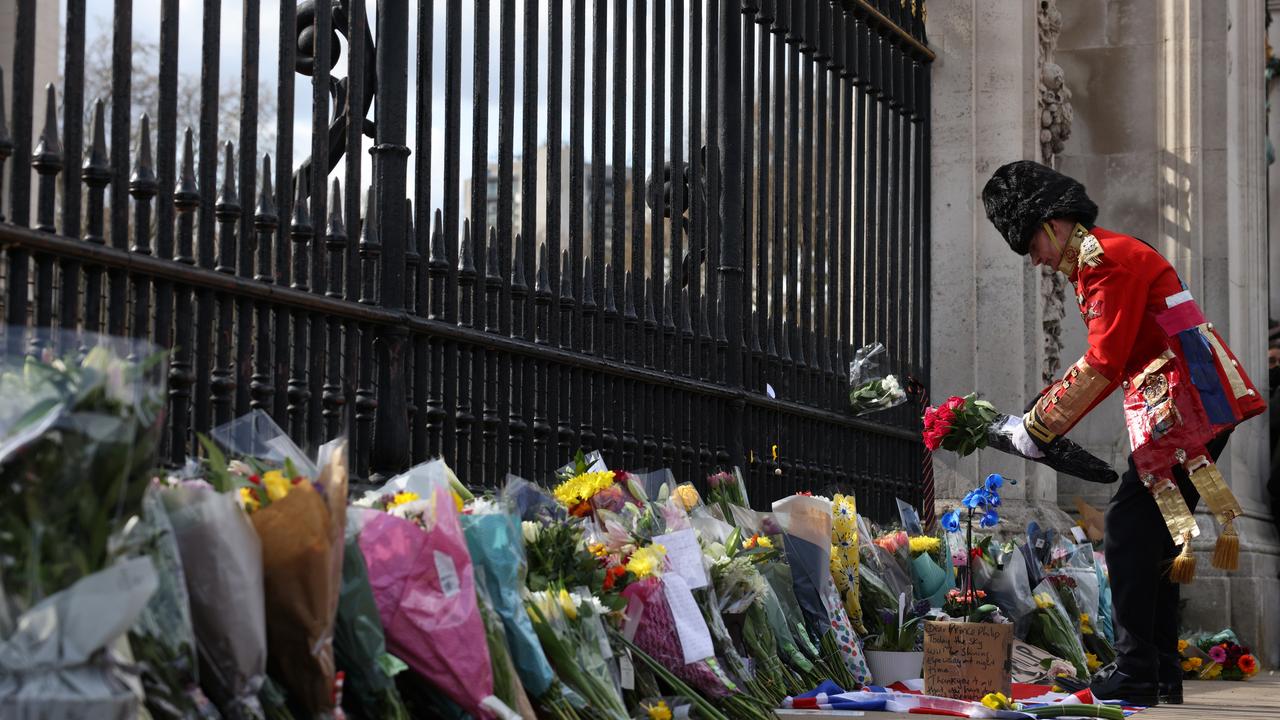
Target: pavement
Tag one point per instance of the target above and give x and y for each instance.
(1256, 699)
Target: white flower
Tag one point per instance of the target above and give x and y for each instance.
(484, 506)
(531, 531)
(891, 385)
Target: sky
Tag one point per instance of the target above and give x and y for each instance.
(146, 26)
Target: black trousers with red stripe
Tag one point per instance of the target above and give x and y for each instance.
(1139, 550)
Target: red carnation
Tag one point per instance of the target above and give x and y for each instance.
(954, 403)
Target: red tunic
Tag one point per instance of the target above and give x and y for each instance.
(1182, 384)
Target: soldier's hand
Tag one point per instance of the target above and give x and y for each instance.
(1021, 438)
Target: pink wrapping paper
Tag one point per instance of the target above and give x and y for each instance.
(425, 589)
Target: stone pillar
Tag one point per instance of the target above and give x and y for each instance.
(1273, 171)
(48, 56)
(1169, 139)
(986, 318)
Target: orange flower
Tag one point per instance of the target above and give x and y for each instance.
(1248, 665)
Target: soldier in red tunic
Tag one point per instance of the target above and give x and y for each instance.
(1183, 393)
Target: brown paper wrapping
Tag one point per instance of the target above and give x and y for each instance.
(302, 546)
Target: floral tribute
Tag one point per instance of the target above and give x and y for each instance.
(959, 424)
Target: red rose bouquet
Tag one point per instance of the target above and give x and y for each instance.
(959, 424)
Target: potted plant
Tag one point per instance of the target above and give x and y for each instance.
(969, 656)
(896, 653)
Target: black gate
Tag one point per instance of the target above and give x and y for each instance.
(747, 202)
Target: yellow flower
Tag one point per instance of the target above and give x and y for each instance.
(659, 711)
(757, 541)
(1191, 664)
(997, 701)
(1212, 672)
(1085, 627)
(1044, 602)
(277, 484)
(646, 561)
(581, 488)
(457, 501)
(567, 604)
(598, 549)
(248, 500)
(1091, 661)
(1182, 645)
(688, 496)
(401, 498)
(924, 544)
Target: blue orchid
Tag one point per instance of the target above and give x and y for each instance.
(989, 519)
(994, 482)
(975, 499)
(951, 520)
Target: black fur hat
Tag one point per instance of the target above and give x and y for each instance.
(1022, 194)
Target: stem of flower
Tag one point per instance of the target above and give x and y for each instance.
(968, 565)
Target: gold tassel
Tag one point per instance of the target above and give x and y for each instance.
(1226, 552)
(1225, 508)
(1183, 569)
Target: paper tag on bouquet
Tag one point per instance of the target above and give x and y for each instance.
(691, 628)
(685, 555)
(448, 572)
(627, 670)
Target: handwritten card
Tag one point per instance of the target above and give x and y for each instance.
(685, 556)
(965, 661)
(695, 639)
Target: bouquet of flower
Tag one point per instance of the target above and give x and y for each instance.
(1052, 630)
(299, 512)
(728, 491)
(807, 522)
(424, 584)
(506, 683)
(496, 543)
(163, 640)
(222, 562)
(569, 627)
(868, 391)
(931, 568)
(1230, 660)
(982, 500)
(360, 646)
(68, 657)
(960, 424)
(77, 438)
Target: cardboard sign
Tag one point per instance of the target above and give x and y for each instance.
(965, 661)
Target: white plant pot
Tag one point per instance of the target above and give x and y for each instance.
(890, 667)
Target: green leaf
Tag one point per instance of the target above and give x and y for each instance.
(219, 476)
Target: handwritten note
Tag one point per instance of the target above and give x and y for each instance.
(695, 639)
(965, 661)
(685, 555)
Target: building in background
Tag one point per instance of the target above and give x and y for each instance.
(1159, 109)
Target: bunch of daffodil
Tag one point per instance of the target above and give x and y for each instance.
(998, 701)
(658, 711)
(757, 540)
(1044, 602)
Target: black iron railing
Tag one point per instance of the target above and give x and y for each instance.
(752, 205)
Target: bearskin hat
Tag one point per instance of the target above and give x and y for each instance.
(1021, 195)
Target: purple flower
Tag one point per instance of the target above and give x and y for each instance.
(888, 617)
(921, 608)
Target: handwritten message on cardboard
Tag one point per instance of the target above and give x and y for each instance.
(966, 661)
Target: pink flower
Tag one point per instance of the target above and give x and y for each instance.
(1218, 654)
(954, 403)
